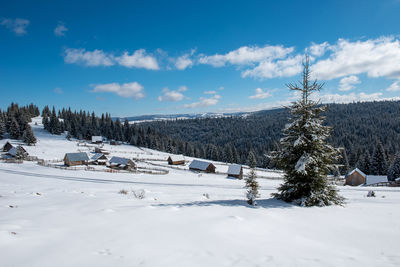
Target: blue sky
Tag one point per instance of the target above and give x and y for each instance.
(165, 57)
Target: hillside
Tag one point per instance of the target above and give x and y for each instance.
(358, 127)
(72, 217)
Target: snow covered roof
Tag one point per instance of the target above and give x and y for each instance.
(356, 170)
(373, 179)
(12, 151)
(97, 139)
(177, 158)
(234, 169)
(120, 161)
(97, 156)
(199, 165)
(79, 156)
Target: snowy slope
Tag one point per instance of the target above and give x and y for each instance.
(53, 217)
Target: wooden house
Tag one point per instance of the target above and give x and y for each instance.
(204, 166)
(14, 151)
(357, 177)
(121, 163)
(98, 159)
(73, 159)
(102, 151)
(7, 146)
(236, 171)
(97, 139)
(176, 160)
(115, 143)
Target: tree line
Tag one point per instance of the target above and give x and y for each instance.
(14, 121)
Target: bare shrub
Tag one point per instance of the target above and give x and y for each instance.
(123, 192)
(139, 194)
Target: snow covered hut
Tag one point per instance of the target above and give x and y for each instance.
(235, 170)
(121, 163)
(355, 177)
(73, 159)
(14, 151)
(176, 160)
(98, 159)
(97, 139)
(374, 179)
(198, 165)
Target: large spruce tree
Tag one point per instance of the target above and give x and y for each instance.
(304, 153)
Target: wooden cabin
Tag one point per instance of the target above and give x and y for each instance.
(7, 146)
(97, 139)
(204, 166)
(102, 151)
(176, 160)
(121, 163)
(14, 151)
(115, 143)
(236, 171)
(74, 159)
(98, 159)
(355, 178)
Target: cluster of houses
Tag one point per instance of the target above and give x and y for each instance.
(82, 158)
(11, 151)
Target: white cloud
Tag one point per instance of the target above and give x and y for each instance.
(280, 68)
(260, 94)
(348, 98)
(375, 57)
(58, 90)
(18, 26)
(139, 59)
(347, 83)
(204, 102)
(247, 55)
(88, 58)
(60, 30)
(210, 92)
(172, 96)
(126, 90)
(318, 49)
(394, 87)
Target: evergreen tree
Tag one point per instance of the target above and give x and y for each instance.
(251, 182)
(29, 137)
(394, 170)
(365, 164)
(14, 129)
(379, 163)
(305, 155)
(2, 129)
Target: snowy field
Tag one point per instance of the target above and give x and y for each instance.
(54, 217)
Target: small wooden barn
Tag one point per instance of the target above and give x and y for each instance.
(73, 159)
(102, 151)
(204, 166)
(7, 146)
(121, 163)
(176, 160)
(98, 159)
(375, 179)
(18, 151)
(115, 143)
(355, 177)
(97, 139)
(236, 171)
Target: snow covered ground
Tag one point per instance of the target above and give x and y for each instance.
(53, 217)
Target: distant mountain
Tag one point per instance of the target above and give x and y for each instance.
(164, 117)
